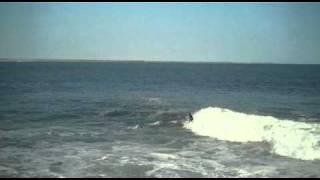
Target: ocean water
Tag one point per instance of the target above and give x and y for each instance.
(63, 119)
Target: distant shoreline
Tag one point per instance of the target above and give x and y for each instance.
(16, 60)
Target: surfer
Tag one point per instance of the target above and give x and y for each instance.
(190, 117)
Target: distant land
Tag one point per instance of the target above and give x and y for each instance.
(2, 60)
(62, 60)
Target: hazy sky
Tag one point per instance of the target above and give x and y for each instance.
(232, 32)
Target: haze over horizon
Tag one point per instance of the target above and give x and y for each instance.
(186, 32)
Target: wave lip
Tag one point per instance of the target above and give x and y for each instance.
(298, 140)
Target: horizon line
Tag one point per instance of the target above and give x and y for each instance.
(135, 61)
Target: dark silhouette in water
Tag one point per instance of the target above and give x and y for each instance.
(190, 117)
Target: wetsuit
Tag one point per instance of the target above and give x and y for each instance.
(190, 117)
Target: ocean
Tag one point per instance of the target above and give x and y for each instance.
(122, 119)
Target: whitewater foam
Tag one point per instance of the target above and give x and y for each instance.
(164, 156)
(298, 140)
(134, 127)
(154, 123)
(103, 158)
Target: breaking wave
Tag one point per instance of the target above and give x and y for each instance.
(289, 138)
(155, 123)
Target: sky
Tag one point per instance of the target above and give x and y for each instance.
(198, 32)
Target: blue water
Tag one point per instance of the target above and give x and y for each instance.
(63, 119)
